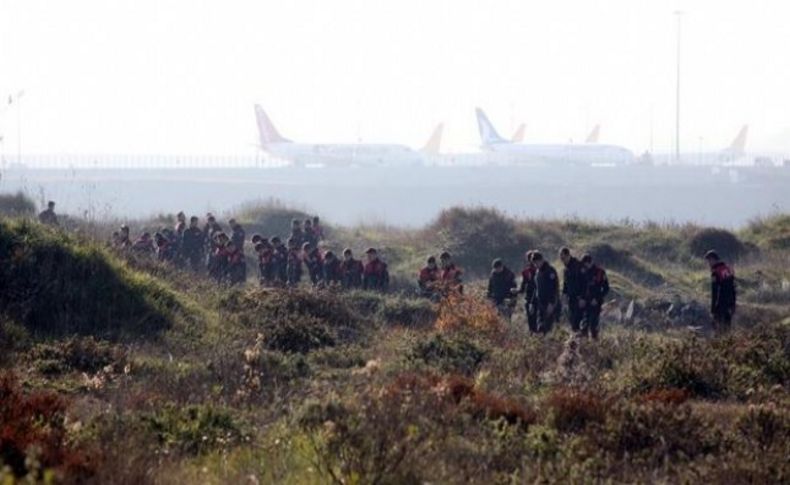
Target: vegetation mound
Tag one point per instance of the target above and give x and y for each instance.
(724, 242)
(771, 233)
(16, 205)
(55, 284)
(476, 235)
(269, 218)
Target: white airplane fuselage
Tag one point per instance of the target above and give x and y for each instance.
(520, 153)
(362, 154)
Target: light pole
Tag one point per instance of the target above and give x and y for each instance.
(678, 15)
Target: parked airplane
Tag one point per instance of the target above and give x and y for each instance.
(348, 154)
(505, 152)
(734, 153)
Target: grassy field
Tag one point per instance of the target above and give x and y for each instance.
(120, 370)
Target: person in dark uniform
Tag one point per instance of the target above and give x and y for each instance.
(297, 234)
(501, 288)
(237, 235)
(48, 216)
(294, 263)
(528, 289)
(279, 261)
(451, 275)
(312, 260)
(596, 289)
(573, 288)
(547, 295)
(722, 291)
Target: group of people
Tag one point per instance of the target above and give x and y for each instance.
(584, 285)
(279, 263)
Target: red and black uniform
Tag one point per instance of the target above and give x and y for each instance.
(143, 246)
(573, 286)
(219, 262)
(376, 276)
(237, 237)
(451, 278)
(237, 266)
(547, 299)
(351, 273)
(315, 264)
(427, 280)
(332, 272)
(528, 289)
(294, 267)
(596, 289)
(165, 250)
(723, 294)
(266, 266)
(280, 264)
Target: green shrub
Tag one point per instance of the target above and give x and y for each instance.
(194, 429)
(450, 354)
(81, 354)
(408, 312)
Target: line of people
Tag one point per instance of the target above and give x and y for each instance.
(584, 287)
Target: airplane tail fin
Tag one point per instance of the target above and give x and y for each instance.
(738, 145)
(434, 144)
(488, 133)
(518, 136)
(266, 130)
(593, 136)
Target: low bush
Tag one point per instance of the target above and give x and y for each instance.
(194, 429)
(408, 312)
(33, 434)
(82, 354)
(571, 410)
(451, 354)
(458, 313)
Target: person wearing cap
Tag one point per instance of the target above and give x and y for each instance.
(313, 261)
(547, 293)
(573, 288)
(527, 288)
(596, 289)
(428, 279)
(192, 244)
(722, 291)
(332, 276)
(279, 262)
(501, 287)
(294, 263)
(351, 271)
(375, 276)
(451, 275)
(48, 216)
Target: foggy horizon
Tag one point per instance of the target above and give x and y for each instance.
(180, 78)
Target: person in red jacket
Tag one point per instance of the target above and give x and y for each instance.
(596, 287)
(351, 271)
(332, 275)
(376, 276)
(451, 275)
(313, 261)
(429, 278)
(722, 291)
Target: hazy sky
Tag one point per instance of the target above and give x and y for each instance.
(153, 76)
